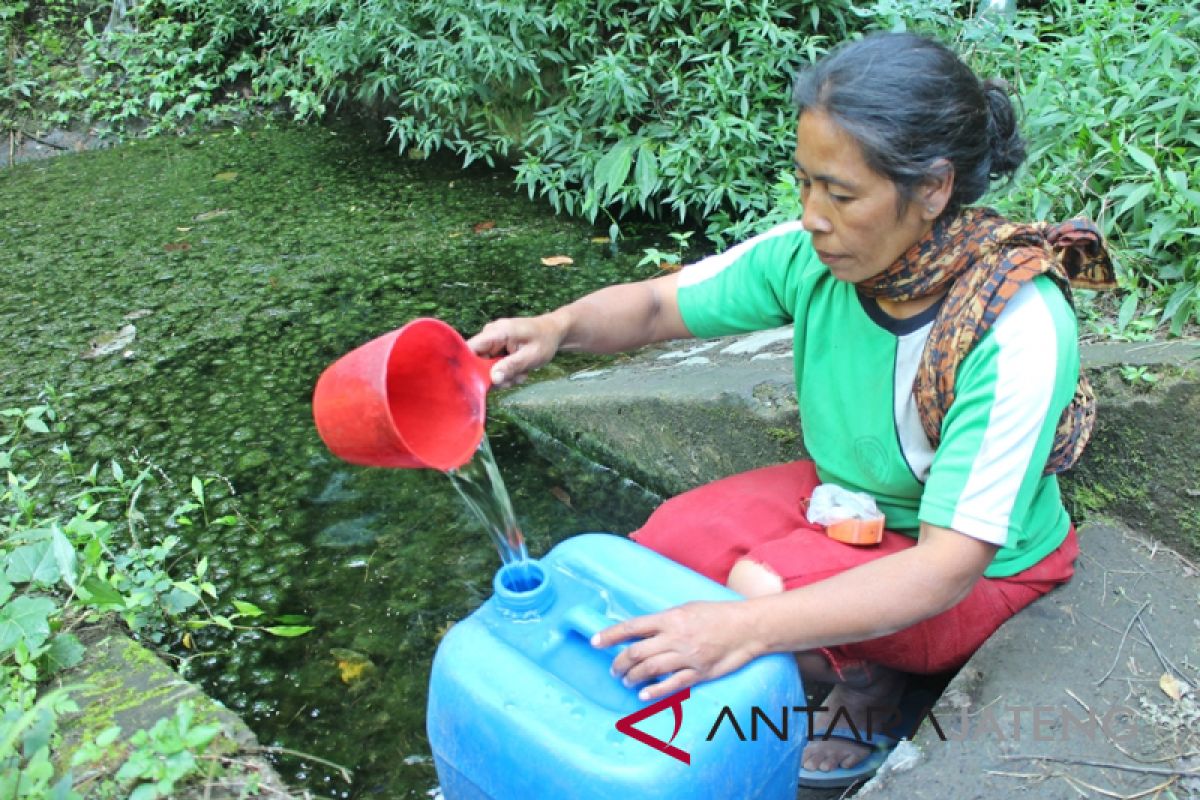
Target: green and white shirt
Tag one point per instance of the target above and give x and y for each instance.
(855, 367)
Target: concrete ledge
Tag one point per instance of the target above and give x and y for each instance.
(673, 418)
(122, 683)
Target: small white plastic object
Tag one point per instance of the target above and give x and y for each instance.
(849, 517)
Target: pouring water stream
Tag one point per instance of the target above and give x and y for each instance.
(482, 488)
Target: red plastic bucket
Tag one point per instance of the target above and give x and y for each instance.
(410, 398)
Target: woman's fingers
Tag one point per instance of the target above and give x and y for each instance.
(523, 344)
(655, 666)
(682, 645)
(680, 680)
(632, 628)
(496, 338)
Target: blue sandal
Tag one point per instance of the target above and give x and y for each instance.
(841, 777)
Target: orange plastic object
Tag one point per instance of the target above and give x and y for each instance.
(857, 531)
(410, 398)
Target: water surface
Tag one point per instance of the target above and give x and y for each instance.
(246, 261)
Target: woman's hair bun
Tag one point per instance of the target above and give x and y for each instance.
(911, 103)
(1004, 139)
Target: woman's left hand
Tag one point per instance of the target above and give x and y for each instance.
(689, 643)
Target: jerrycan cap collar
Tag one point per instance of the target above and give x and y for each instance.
(523, 587)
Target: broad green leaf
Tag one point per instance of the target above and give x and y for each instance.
(33, 563)
(198, 489)
(1181, 296)
(1135, 197)
(64, 555)
(65, 652)
(186, 586)
(37, 735)
(1177, 179)
(197, 738)
(646, 172)
(108, 735)
(247, 609)
(64, 789)
(288, 631)
(145, 791)
(117, 472)
(1144, 159)
(613, 169)
(36, 425)
(100, 593)
(26, 619)
(1128, 309)
(177, 600)
(1181, 318)
(184, 714)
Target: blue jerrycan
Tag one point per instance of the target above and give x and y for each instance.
(522, 706)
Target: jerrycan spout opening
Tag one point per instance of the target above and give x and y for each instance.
(523, 588)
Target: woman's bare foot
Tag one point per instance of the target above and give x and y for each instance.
(861, 703)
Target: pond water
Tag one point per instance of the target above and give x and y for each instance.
(246, 261)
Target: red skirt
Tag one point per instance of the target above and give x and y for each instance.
(758, 516)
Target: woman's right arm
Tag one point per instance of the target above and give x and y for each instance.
(611, 320)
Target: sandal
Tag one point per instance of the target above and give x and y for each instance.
(841, 777)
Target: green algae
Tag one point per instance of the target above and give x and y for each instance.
(246, 261)
(124, 684)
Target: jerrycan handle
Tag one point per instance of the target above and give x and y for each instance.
(587, 622)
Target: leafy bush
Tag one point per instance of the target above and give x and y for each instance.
(1110, 102)
(608, 107)
(668, 109)
(1107, 90)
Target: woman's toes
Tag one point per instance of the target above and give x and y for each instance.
(821, 756)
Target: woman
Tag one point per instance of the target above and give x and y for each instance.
(937, 369)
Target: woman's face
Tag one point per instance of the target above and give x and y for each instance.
(850, 209)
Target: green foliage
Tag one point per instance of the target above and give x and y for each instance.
(72, 557)
(27, 734)
(668, 259)
(1111, 108)
(1106, 88)
(671, 107)
(663, 109)
(1138, 377)
(166, 754)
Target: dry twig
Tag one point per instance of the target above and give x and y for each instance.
(1087, 762)
(345, 773)
(1167, 665)
(1124, 636)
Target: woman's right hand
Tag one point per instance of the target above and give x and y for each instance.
(525, 343)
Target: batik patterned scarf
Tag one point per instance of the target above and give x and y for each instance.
(980, 260)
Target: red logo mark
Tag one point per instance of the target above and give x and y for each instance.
(675, 702)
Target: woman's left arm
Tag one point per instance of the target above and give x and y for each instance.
(704, 640)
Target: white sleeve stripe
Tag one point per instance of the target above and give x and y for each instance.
(1026, 367)
(914, 444)
(709, 267)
